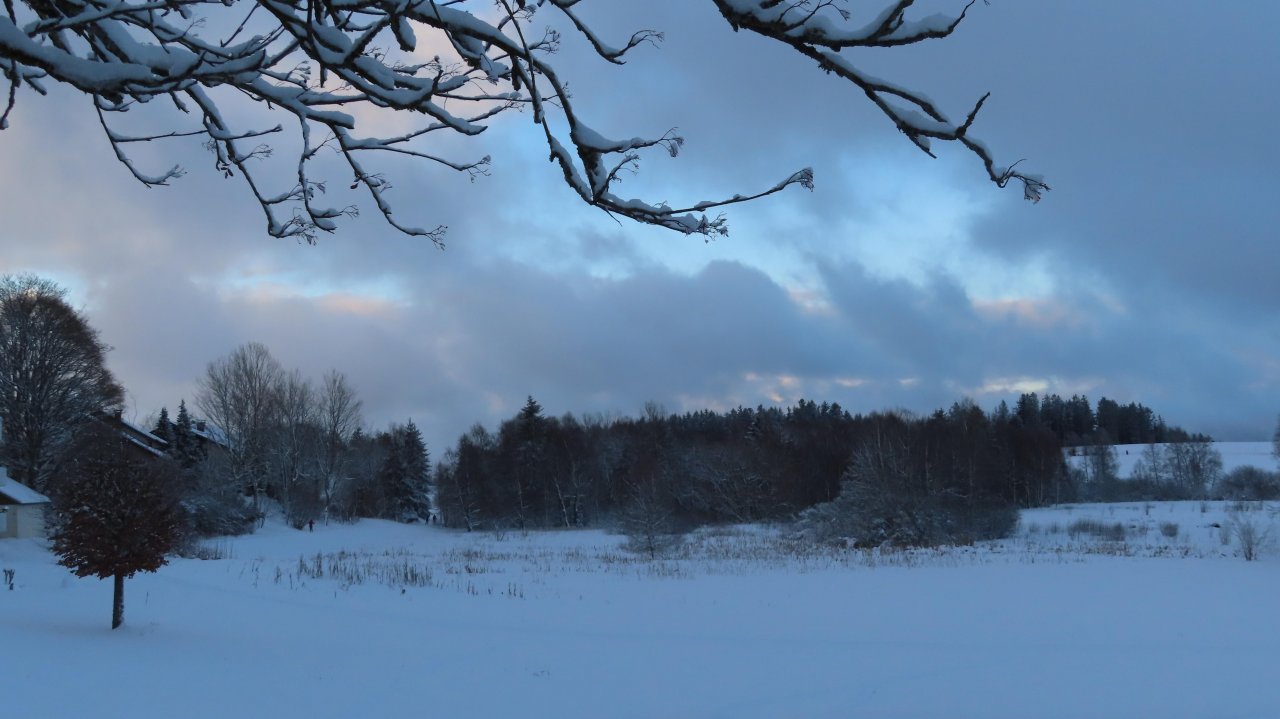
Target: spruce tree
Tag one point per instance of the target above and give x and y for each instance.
(416, 475)
(164, 428)
(405, 476)
(188, 448)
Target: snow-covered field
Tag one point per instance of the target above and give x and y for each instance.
(1234, 456)
(385, 620)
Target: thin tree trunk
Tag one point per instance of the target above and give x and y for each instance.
(117, 604)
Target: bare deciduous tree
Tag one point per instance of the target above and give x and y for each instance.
(1193, 466)
(292, 447)
(327, 67)
(53, 376)
(648, 520)
(1275, 442)
(239, 394)
(338, 411)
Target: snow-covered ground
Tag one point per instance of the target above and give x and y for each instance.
(418, 621)
(1234, 455)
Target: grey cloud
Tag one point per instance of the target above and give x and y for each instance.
(1160, 233)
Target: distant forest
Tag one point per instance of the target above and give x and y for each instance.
(955, 465)
(1076, 424)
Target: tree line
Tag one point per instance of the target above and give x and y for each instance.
(744, 465)
(1076, 423)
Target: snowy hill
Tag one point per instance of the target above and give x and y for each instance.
(1234, 455)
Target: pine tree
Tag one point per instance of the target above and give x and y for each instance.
(416, 477)
(405, 476)
(164, 428)
(527, 471)
(115, 515)
(531, 412)
(188, 448)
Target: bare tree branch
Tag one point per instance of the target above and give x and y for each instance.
(334, 65)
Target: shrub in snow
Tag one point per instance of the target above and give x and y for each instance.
(219, 514)
(881, 502)
(1114, 532)
(1248, 483)
(1251, 530)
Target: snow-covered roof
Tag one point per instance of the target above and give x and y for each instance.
(148, 435)
(139, 443)
(17, 492)
(208, 430)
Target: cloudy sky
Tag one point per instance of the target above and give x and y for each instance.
(1147, 274)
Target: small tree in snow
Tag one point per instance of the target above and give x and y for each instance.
(1251, 530)
(647, 519)
(115, 515)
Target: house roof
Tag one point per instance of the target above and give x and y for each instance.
(17, 492)
(139, 443)
(209, 431)
(146, 436)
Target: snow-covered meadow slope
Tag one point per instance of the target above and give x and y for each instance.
(1234, 456)
(1066, 619)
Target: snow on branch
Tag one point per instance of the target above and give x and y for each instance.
(450, 66)
(823, 29)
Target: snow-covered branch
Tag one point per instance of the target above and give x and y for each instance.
(823, 29)
(451, 66)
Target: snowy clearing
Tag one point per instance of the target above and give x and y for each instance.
(380, 619)
(1234, 455)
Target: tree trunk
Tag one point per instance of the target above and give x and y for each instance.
(117, 604)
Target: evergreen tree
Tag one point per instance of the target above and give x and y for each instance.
(415, 480)
(405, 476)
(1028, 409)
(188, 447)
(1108, 418)
(164, 428)
(531, 412)
(526, 439)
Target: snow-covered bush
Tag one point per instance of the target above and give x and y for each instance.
(880, 504)
(218, 514)
(1248, 483)
(1251, 529)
